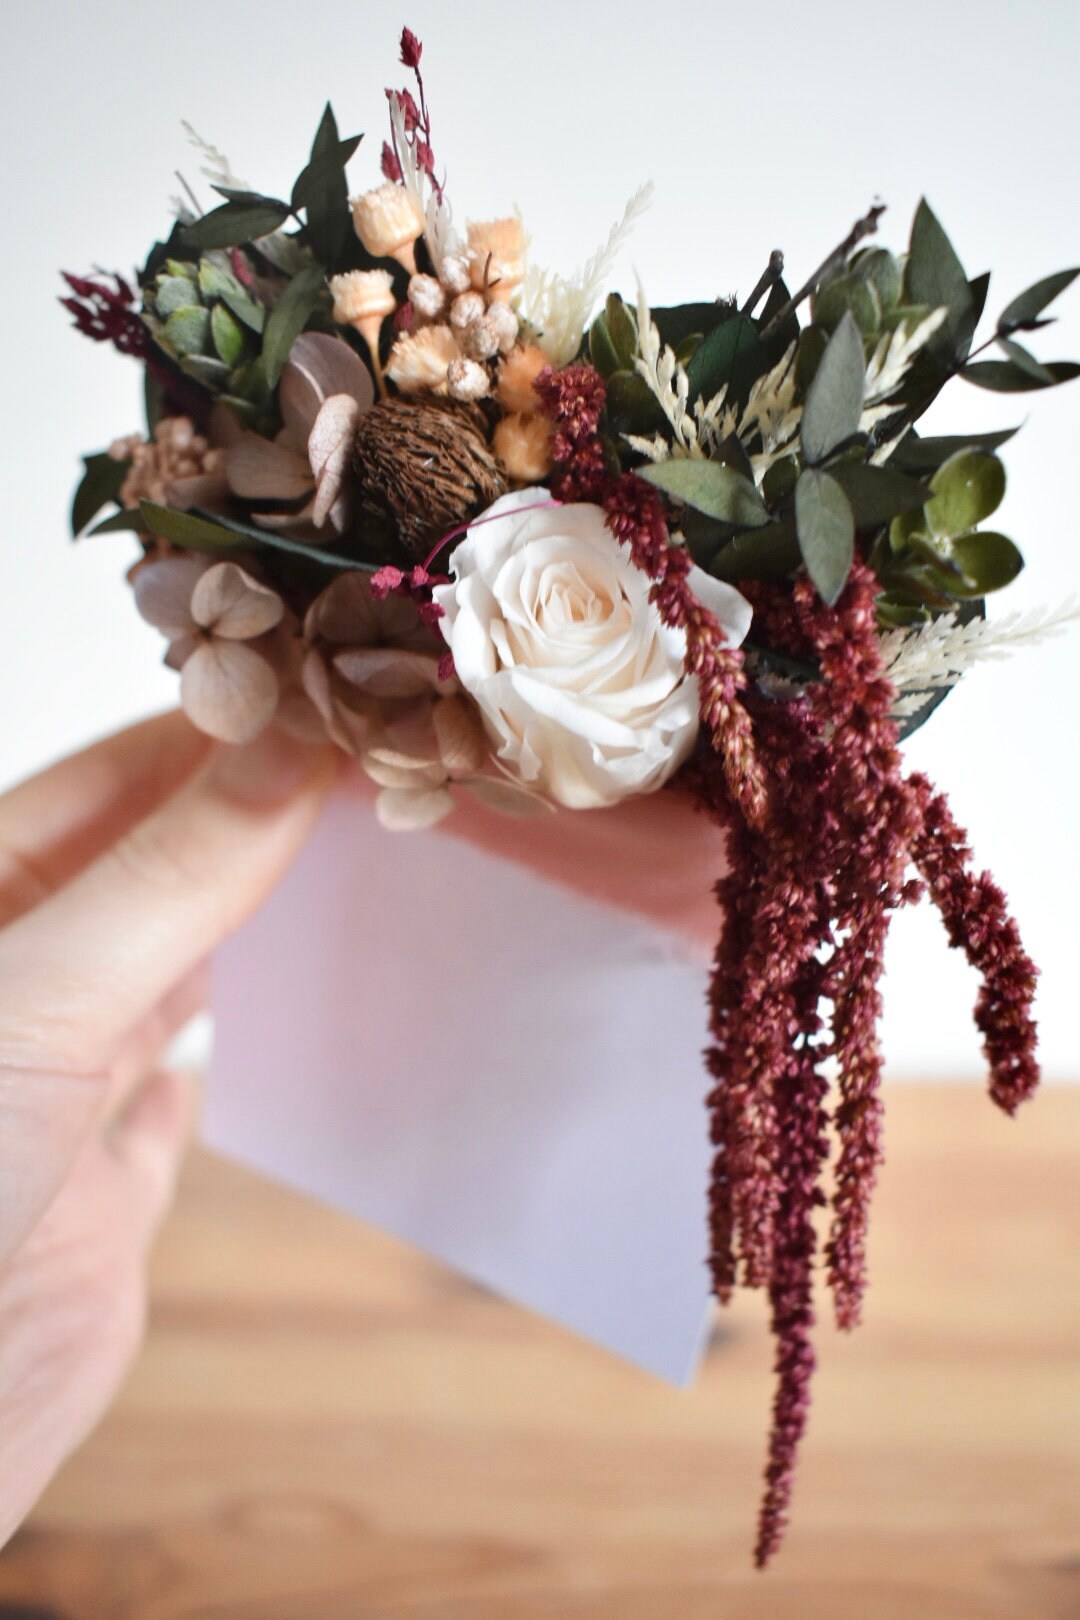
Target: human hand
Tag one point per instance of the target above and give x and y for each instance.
(121, 869)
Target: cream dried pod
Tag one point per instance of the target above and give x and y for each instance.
(209, 612)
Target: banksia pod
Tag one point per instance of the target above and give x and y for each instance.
(423, 467)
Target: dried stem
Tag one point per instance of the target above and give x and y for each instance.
(862, 228)
(765, 282)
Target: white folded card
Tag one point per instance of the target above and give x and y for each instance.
(496, 1068)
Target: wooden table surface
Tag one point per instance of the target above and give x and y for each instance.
(324, 1426)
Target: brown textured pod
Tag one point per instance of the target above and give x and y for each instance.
(423, 466)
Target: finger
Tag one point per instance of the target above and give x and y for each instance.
(149, 1140)
(80, 970)
(143, 1046)
(73, 1301)
(47, 1118)
(57, 822)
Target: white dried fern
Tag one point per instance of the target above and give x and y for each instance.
(559, 308)
(937, 654)
(667, 381)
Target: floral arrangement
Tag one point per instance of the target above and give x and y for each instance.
(402, 488)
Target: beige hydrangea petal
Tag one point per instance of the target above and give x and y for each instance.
(350, 730)
(329, 452)
(230, 602)
(344, 614)
(388, 672)
(261, 470)
(459, 735)
(399, 771)
(509, 798)
(298, 716)
(401, 811)
(228, 690)
(180, 651)
(163, 592)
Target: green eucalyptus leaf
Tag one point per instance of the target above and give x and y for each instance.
(207, 369)
(187, 331)
(602, 350)
(845, 294)
(228, 335)
(834, 399)
(216, 281)
(273, 540)
(882, 270)
(935, 277)
(714, 359)
(235, 223)
(100, 483)
(288, 318)
(768, 553)
(710, 487)
(128, 518)
(632, 406)
(978, 287)
(323, 191)
(188, 530)
(622, 330)
(914, 454)
(247, 198)
(681, 321)
(313, 177)
(1027, 306)
(780, 480)
(825, 526)
(877, 494)
(172, 293)
(1006, 377)
(964, 491)
(989, 561)
(1026, 361)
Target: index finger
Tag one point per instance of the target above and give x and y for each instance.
(83, 967)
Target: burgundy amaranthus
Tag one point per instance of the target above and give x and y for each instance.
(107, 314)
(823, 831)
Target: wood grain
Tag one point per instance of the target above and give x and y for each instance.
(324, 1426)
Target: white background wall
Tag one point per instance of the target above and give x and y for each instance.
(762, 128)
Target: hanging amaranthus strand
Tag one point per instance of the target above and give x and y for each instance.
(574, 398)
(822, 830)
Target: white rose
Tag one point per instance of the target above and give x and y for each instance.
(580, 684)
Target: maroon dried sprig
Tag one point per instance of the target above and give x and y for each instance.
(415, 118)
(574, 399)
(974, 911)
(107, 314)
(822, 831)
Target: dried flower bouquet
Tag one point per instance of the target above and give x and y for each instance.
(397, 490)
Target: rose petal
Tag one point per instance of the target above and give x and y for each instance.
(402, 811)
(329, 452)
(163, 592)
(232, 604)
(261, 470)
(727, 605)
(228, 690)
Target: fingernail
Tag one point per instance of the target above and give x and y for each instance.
(269, 770)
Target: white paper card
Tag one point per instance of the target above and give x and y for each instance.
(487, 1065)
